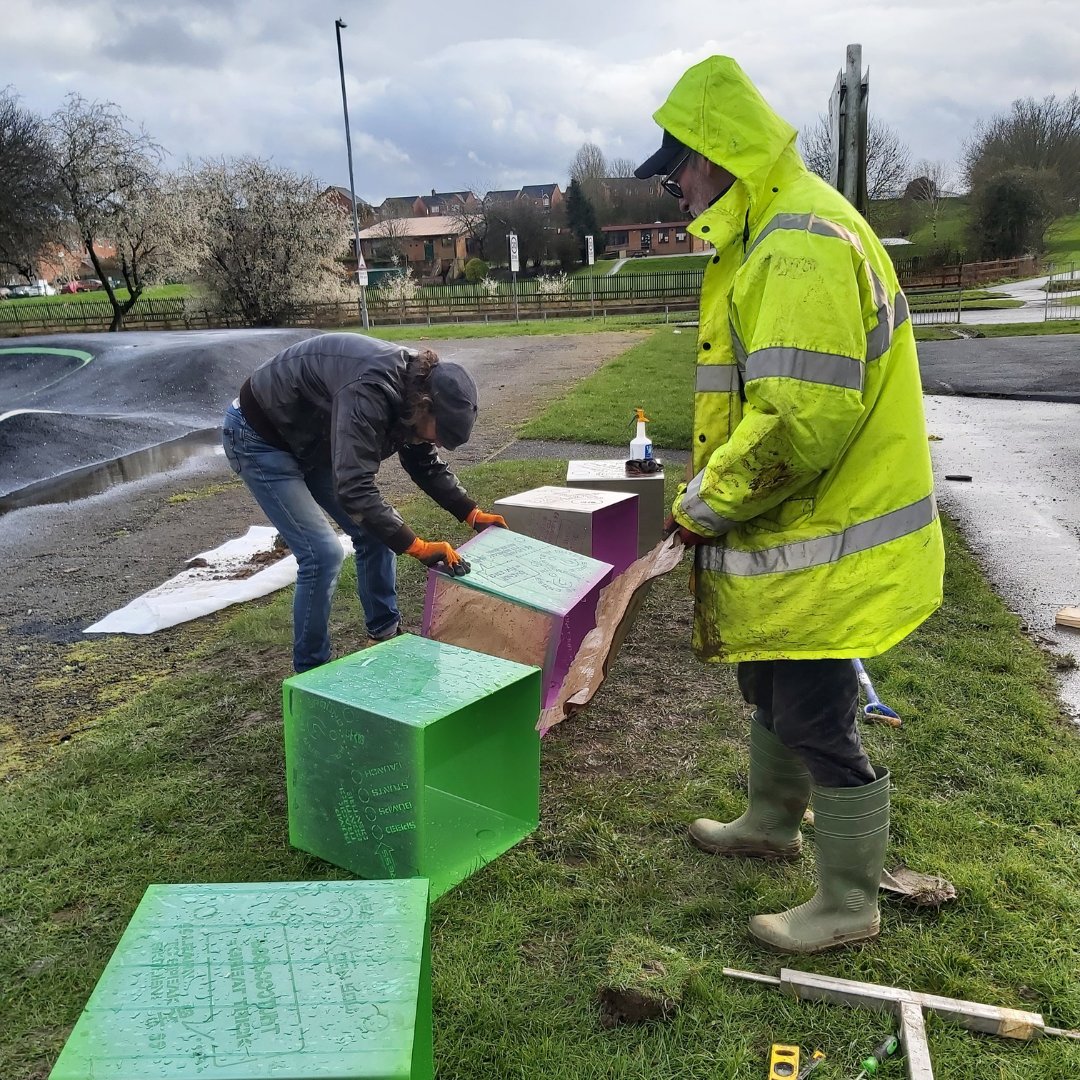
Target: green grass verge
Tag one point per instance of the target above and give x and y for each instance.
(185, 782)
(1038, 329)
(1062, 241)
(660, 264)
(657, 375)
(154, 292)
(529, 328)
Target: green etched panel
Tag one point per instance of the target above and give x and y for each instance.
(298, 980)
(528, 571)
(435, 790)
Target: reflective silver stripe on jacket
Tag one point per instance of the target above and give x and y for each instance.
(889, 315)
(717, 378)
(806, 365)
(901, 310)
(824, 549)
(699, 511)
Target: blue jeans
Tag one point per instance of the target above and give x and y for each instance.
(294, 498)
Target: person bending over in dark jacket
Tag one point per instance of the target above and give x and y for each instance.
(307, 435)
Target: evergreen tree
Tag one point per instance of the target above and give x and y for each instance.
(581, 218)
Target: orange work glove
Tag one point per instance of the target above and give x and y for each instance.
(690, 539)
(479, 521)
(432, 554)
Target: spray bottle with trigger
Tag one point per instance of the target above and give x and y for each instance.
(641, 453)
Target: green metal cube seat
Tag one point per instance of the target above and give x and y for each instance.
(412, 758)
(298, 980)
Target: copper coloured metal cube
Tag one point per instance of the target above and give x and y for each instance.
(523, 600)
(600, 524)
(610, 475)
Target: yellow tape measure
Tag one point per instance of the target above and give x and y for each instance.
(783, 1062)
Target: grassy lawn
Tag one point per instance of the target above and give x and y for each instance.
(598, 268)
(660, 264)
(184, 782)
(657, 374)
(442, 331)
(154, 292)
(1062, 241)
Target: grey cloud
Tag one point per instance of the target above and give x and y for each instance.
(164, 40)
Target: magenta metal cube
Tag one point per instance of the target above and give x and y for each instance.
(523, 600)
(600, 524)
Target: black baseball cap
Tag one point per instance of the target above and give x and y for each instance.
(454, 403)
(660, 163)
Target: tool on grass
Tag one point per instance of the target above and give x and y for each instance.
(816, 1058)
(875, 708)
(907, 1006)
(783, 1061)
(884, 1050)
(641, 461)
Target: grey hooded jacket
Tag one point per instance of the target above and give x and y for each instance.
(340, 397)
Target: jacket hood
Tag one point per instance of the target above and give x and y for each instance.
(716, 110)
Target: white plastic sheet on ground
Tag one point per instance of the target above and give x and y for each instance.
(202, 590)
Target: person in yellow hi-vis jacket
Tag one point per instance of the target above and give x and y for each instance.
(811, 510)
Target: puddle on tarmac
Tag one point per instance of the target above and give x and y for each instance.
(94, 479)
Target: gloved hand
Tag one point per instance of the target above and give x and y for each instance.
(690, 539)
(479, 521)
(431, 554)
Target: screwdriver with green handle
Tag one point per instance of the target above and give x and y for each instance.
(890, 1047)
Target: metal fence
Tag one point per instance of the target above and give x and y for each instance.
(1063, 294)
(936, 302)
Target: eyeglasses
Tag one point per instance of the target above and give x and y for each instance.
(672, 187)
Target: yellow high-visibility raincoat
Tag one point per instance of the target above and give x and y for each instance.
(810, 452)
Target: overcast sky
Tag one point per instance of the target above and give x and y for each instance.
(497, 93)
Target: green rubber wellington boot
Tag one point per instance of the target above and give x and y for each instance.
(851, 831)
(779, 790)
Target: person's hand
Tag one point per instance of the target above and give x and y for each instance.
(690, 539)
(479, 521)
(432, 554)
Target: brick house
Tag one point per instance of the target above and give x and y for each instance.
(340, 196)
(543, 196)
(651, 238)
(437, 246)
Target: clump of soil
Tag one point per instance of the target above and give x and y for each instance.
(259, 561)
(646, 981)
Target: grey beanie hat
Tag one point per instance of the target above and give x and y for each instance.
(454, 403)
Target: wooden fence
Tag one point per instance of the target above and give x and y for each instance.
(933, 298)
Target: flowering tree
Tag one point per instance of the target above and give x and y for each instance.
(261, 238)
(110, 180)
(553, 285)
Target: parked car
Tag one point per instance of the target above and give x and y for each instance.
(18, 291)
(82, 285)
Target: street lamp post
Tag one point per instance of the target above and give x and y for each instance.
(361, 270)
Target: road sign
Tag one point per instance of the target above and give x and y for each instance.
(514, 262)
(591, 248)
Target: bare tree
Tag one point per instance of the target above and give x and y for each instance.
(589, 164)
(530, 224)
(930, 186)
(110, 177)
(30, 215)
(261, 237)
(1042, 136)
(389, 237)
(475, 221)
(888, 158)
(621, 166)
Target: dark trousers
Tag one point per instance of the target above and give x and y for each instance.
(811, 707)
